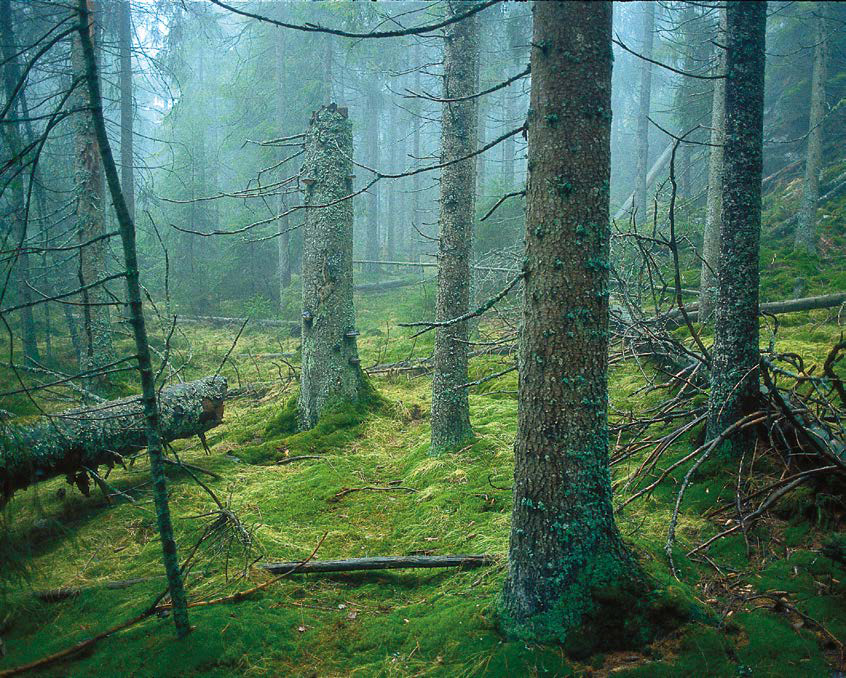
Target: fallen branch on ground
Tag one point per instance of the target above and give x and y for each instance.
(349, 490)
(384, 563)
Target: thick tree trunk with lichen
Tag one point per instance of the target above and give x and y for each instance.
(735, 356)
(88, 181)
(644, 100)
(331, 372)
(86, 438)
(714, 210)
(806, 227)
(564, 541)
(450, 406)
(14, 145)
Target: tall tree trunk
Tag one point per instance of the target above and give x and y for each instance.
(509, 146)
(735, 359)
(509, 100)
(393, 188)
(644, 100)
(331, 373)
(714, 210)
(416, 186)
(15, 147)
(806, 228)
(88, 179)
(283, 242)
(564, 543)
(136, 313)
(450, 406)
(127, 172)
(373, 113)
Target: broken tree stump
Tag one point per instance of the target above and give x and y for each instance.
(73, 442)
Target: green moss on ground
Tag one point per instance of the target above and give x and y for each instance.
(401, 623)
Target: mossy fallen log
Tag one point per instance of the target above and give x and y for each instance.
(77, 441)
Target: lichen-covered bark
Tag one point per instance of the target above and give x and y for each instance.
(644, 100)
(806, 228)
(66, 443)
(564, 541)
(735, 356)
(14, 145)
(88, 182)
(450, 407)
(330, 365)
(714, 210)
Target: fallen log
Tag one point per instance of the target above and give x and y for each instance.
(57, 595)
(380, 563)
(77, 441)
(391, 284)
(773, 307)
(220, 320)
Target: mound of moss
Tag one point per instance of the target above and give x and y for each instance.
(340, 424)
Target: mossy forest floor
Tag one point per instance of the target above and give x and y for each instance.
(397, 623)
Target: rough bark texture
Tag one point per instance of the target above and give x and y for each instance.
(330, 365)
(806, 228)
(127, 171)
(14, 145)
(714, 210)
(564, 541)
(734, 373)
(88, 181)
(152, 417)
(67, 443)
(450, 406)
(644, 100)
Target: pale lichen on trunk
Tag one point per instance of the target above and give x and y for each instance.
(450, 406)
(714, 210)
(331, 372)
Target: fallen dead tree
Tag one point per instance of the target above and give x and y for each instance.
(76, 442)
(379, 563)
(391, 284)
(220, 320)
(773, 307)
